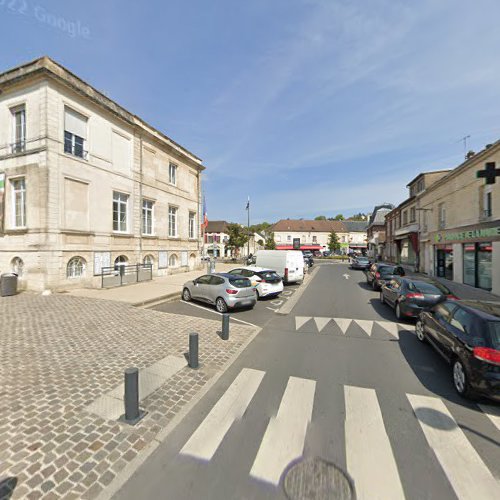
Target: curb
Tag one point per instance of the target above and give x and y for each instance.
(157, 300)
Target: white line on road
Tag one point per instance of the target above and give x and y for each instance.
(466, 472)
(365, 325)
(343, 323)
(231, 406)
(321, 323)
(301, 320)
(392, 328)
(218, 313)
(277, 302)
(370, 460)
(285, 434)
(493, 413)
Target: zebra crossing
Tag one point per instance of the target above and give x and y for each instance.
(347, 325)
(369, 454)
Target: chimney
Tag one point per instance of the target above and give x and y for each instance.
(470, 154)
(488, 146)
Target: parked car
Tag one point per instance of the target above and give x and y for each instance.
(360, 263)
(327, 253)
(308, 258)
(379, 274)
(225, 291)
(467, 334)
(317, 253)
(267, 283)
(289, 264)
(410, 296)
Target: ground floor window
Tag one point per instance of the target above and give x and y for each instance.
(148, 260)
(477, 264)
(444, 262)
(75, 267)
(17, 266)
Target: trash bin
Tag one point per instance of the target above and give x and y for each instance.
(8, 284)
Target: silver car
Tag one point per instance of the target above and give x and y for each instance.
(226, 291)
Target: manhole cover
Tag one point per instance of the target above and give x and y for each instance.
(317, 479)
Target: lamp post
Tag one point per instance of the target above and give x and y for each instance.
(248, 227)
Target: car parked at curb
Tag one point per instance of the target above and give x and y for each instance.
(410, 296)
(267, 283)
(225, 291)
(467, 335)
(360, 262)
(379, 274)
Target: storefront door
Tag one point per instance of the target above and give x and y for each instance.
(444, 262)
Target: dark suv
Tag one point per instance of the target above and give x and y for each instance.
(467, 334)
(379, 274)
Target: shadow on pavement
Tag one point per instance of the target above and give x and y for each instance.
(7, 487)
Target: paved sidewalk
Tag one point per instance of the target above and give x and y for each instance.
(60, 353)
(148, 292)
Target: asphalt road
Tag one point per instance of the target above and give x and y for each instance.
(366, 396)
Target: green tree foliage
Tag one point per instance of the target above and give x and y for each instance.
(238, 237)
(339, 217)
(359, 216)
(333, 242)
(270, 243)
(320, 217)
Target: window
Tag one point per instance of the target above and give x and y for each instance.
(120, 212)
(442, 216)
(444, 311)
(172, 260)
(120, 263)
(413, 216)
(172, 174)
(17, 266)
(288, 238)
(75, 133)
(18, 202)
(149, 260)
(463, 321)
(277, 238)
(192, 225)
(487, 201)
(18, 129)
(147, 217)
(315, 239)
(172, 222)
(75, 267)
(405, 217)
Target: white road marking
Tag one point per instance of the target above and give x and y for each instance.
(343, 323)
(271, 309)
(346, 276)
(205, 440)
(365, 325)
(321, 323)
(300, 321)
(466, 472)
(370, 460)
(392, 328)
(286, 292)
(284, 438)
(218, 313)
(493, 413)
(276, 302)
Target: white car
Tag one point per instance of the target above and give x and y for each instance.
(267, 282)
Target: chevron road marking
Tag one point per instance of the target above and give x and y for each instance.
(301, 321)
(321, 323)
(343, 323)
(365, 325)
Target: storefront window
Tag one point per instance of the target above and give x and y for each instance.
(444, 262)
(470, 264)
(484, 251)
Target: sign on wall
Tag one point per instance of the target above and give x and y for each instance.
(101, 259)
(296, 243)
(162, 259)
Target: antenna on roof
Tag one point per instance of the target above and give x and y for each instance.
(464, 140)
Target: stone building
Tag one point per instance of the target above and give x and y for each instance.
(460, 223)
(87, 184)
(375, 232)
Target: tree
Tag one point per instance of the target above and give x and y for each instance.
(359, 216)
(333, 242)
(339, 217)
(238, 237)
(320, 217)
(270, 243)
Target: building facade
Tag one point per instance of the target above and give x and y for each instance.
(375, 232)
(460, 224)
(216, 238)
(88, 185)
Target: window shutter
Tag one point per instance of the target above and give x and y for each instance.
(75, 123)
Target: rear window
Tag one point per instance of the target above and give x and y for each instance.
(494, 327)
(269, 275)
(240, 282)
(429, 288)
(385, 270)
(362, 259)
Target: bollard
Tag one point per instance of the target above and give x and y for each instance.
(193, 350)
(225, 327)
(131, 397)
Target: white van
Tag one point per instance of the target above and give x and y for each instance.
(289, 264)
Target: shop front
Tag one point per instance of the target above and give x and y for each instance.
(467, 255)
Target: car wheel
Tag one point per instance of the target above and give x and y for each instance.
(461, 380)
(186, 295)
(419, 330)
(257, 294)
(221, 305)
(398, 311)
(382, 300)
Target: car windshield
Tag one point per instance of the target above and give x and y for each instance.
(428, 288)
(494, 327)
(362, 259)
(240, 282)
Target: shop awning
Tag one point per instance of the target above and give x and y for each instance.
(302, 247)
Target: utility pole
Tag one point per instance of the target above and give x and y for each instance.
(248, 227)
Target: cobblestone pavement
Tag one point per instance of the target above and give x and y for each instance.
(58, 354)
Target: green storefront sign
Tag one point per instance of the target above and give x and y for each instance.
(474, 234)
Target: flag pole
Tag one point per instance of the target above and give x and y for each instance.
(248, 226)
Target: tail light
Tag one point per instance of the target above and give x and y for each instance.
(263, 281)
(377, 275)
(487, 354)
(452, 297)
(415, 296)
(230, 291)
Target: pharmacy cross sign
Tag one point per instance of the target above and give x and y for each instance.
(489, 173)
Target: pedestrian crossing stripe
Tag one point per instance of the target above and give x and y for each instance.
(344, 324)
(493, 414)
(370, 457)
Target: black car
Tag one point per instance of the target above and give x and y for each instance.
(410, 296)
(467, 334)
(360, 263)
(379, 274)
(308, 257)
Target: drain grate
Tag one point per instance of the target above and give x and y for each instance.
(317, 479)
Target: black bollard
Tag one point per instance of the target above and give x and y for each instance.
(193, 350)
(131, 396)
(225, 327)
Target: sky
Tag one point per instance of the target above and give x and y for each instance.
(309, 107)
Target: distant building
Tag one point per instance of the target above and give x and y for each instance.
(217, 236)
(357, 231)
(376, 229)
(85, 184)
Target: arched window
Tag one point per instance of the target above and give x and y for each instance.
(121, 260)
(192, 260)
(172, 260)
(17, 266)
(149, 260)
(75, 267)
